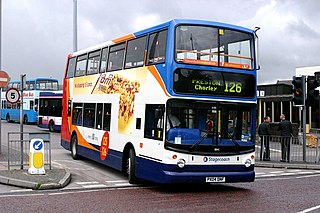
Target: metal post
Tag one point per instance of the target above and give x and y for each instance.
(75, 36)
(304, 133)
(317, 149)
(310, 118)
(0, 115)
(21, 119)
(0, 67)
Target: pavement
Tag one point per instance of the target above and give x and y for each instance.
(291, 165)
(52, 179)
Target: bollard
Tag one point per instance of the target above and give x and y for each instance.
(36, 157)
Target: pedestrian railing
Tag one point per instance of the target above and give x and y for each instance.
(289, 149)
(19, 148)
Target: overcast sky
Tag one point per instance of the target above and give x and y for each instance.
(37, 34)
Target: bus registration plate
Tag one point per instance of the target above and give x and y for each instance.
(215, 179)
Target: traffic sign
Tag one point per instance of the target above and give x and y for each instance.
(12, 96)
(37, 145)
(4, 79)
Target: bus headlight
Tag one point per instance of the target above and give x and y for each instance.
(247, 163)
(181, 163)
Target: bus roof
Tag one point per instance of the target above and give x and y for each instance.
(35, 79)
(159, 27)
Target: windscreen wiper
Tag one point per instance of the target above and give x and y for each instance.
(191, 40)
(199, 141)
(235, 142)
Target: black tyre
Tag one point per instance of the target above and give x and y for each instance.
(74, 147)
(25, 119)
(51, 126)
(8, 118)
(131, 167)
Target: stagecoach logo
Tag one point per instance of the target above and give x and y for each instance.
(214, 159)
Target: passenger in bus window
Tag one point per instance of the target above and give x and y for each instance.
(99, 120)
(210, 124)
(172, 121)
(90, 119)
(106, 121)
(79, 118)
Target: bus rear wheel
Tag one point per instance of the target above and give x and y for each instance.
(25, 119)
(131, 167)
(8, 118)
(74, 147)
(51, 126)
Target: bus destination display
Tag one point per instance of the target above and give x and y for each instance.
(213, 83)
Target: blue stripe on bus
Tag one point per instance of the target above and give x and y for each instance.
(114, 158)
(165, 173)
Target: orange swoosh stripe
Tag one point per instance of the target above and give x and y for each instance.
(83, 142)
(123, 38)
(156, 75)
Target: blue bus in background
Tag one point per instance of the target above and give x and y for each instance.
(11, 112)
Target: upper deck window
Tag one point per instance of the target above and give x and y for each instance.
(71, 67)
(93, 62)
(81, 65)
(104, 59)
(205, 45)
(116, 57)
(135, 52)
(47, 85)
(157, 47)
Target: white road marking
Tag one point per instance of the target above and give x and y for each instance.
(310, 209)
(277, 172)
(116, 181)
(21, 190)
(94, 186)
(273, 174)
(84, 183)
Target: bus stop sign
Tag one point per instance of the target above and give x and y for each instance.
(4, 79)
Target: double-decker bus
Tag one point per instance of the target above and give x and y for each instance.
(172, 103)
(50, 110)
(11, 112)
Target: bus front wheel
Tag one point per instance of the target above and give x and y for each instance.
(131, 167)
(74, 147)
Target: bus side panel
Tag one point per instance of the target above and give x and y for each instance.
(32, 116)
(65, 144)
(149, 170)
(14, 115)
(114, 158)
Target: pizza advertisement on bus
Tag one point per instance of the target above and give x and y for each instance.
(126, 85)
